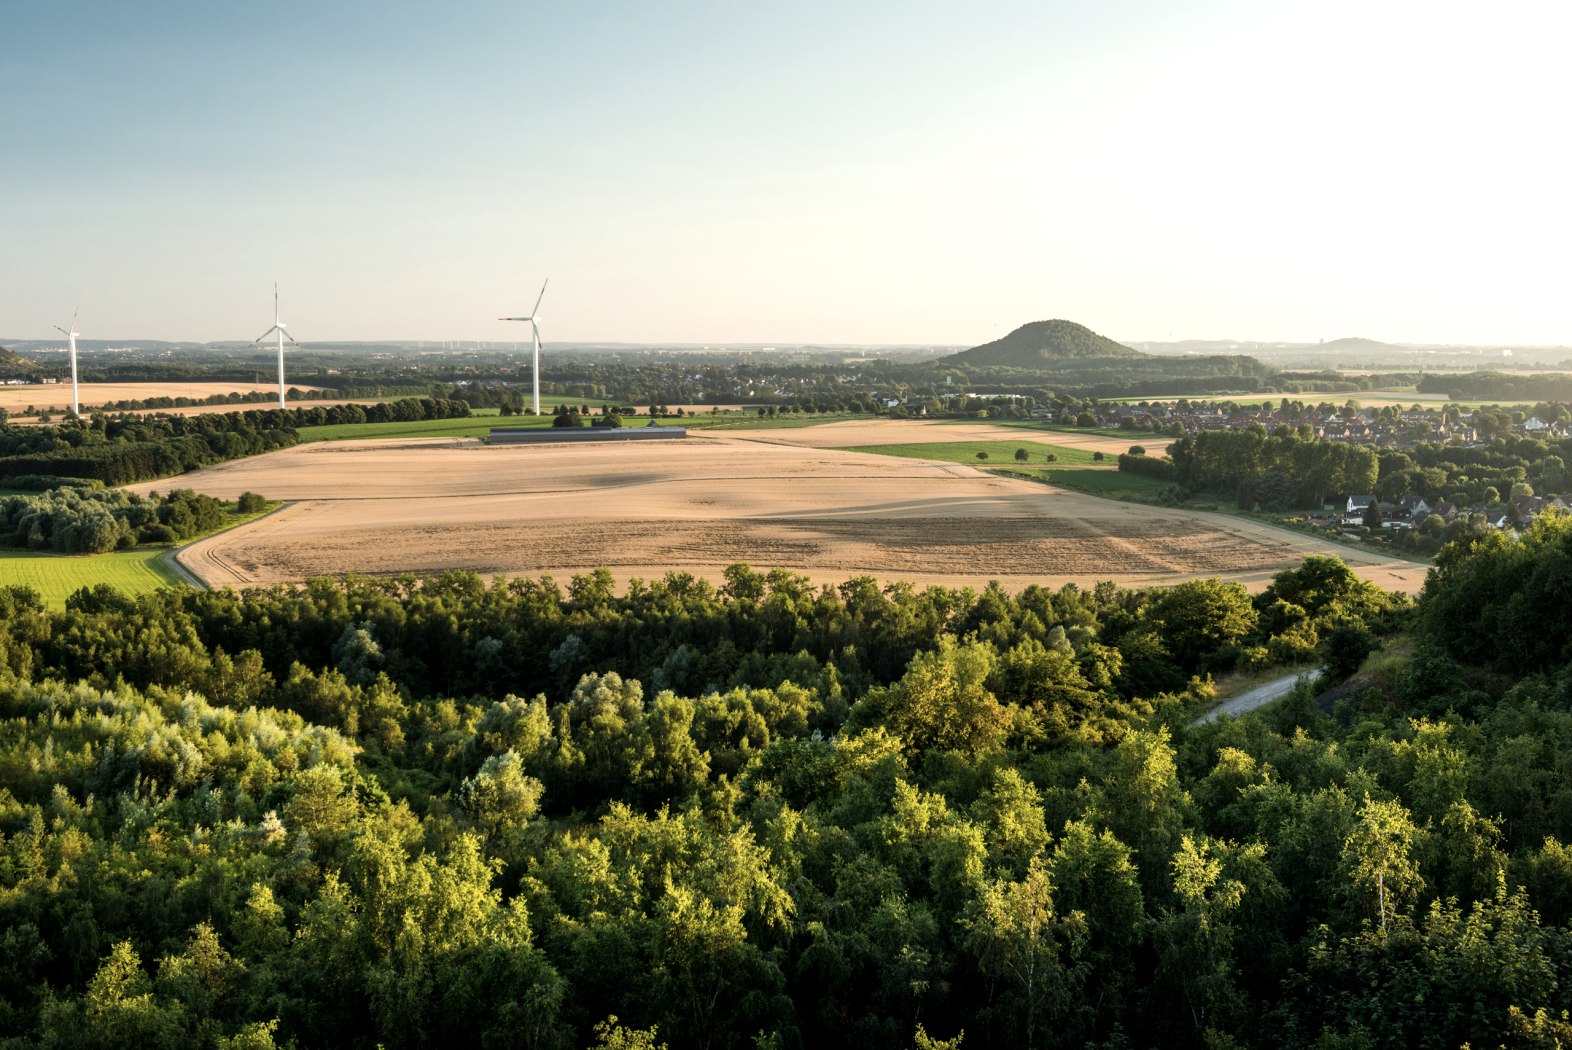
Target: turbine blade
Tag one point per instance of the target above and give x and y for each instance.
(62, 331)
(288, 336)
(265, 334)
(73, 317)
(535, 311)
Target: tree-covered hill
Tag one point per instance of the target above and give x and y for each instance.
(452, 812)
(12, 363)
(1051, 343)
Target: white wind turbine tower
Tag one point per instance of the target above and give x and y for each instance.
(534, 326)
(76, 406)
(283, 334)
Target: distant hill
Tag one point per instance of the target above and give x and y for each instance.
(10, 362)
(1043, 343)
(1356, 343)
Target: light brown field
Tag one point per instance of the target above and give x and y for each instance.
(699, 505)
(56, 397)
(856, 432)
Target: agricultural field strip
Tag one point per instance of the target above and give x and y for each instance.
(783, 512)
(55, 397)
(57, 576)
(1000, 453)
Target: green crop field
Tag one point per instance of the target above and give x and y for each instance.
(136, 571)
(57, 576)
(1000, 453)
(1094, 481)
(1110, 484)
(477, 425)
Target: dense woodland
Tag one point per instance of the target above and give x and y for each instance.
(455, 812)
(1480, 386)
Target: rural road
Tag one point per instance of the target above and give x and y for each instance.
(1260, 696)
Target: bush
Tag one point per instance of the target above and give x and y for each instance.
(250, 503)
(1344, 648)
(156, 534)
(1161, 469)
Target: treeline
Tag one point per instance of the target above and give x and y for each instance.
(388, 812)
(256, 397)
(126, 449)
(1476, 474)
(1498, 386)
(1279, 470)
(92, 521)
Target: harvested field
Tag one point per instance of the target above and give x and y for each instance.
(916, 432)
(384, 507)
(55, 397)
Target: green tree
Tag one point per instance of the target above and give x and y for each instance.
(1203, 622)
(1378, 856)
(1017, 937)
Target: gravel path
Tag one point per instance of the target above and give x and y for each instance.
(1260, 696)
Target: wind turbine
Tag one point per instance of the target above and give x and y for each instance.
(534, 327)
(76, 407)
(283, 334)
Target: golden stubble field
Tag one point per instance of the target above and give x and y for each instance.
(640, 510)
(916, 432)
(56, 397)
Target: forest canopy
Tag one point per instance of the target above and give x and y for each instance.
(513, 813)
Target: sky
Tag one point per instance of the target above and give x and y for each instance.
(861, 172)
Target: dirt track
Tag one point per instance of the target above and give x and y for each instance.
(421, 506)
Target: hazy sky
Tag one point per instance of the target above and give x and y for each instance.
(860, 172)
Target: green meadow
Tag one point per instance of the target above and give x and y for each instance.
(136, 571)
(58, 576)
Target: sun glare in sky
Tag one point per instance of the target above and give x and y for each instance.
(795, 173)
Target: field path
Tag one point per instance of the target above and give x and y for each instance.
(1260, 696)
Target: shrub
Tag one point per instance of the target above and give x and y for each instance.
(250, 503)
(156, 534)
